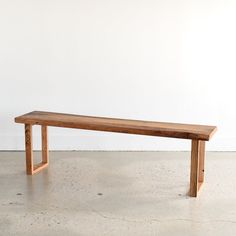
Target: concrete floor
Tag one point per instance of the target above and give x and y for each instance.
(117, 193)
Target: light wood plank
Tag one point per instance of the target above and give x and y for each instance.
(199, 186)
(45, 154)
(201, 161)
(29, 149)
(39, 167)
(194, 168)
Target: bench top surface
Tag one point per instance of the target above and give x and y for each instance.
(173, 130)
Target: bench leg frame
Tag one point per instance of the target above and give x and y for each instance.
(197, 167)
(197, 158)
(30, 167)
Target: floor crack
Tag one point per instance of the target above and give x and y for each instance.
(160, 221)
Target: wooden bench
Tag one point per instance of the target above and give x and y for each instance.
(197, 133)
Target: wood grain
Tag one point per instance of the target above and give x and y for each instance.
(197, 166)
(29, 149)
(194, 168)
(201, 161)
(44, 131)
(172, 130)
(39, 167)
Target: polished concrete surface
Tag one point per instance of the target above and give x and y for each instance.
(117, 193)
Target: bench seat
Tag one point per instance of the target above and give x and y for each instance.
(197, 133)
(171, 130)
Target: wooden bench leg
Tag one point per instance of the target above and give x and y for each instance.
(201, 162)
(28, 149)
(197, 166)
(45, 153)
(30, 167)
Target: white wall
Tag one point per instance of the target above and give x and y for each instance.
(162, 60)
